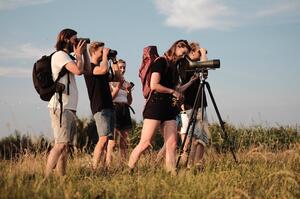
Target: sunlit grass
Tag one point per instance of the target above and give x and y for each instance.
(260, 174)
(269, 167)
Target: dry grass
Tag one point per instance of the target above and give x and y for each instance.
(261, 173)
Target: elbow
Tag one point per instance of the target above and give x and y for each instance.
(153, 86)
(79, 72)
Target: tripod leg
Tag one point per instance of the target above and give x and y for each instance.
(196, 107)
(192, 120)
(222, 123)
(190, 141)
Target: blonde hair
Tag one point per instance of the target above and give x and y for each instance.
(194, 46)
(94, 46)
(121, 61)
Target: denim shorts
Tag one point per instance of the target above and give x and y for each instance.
(105, 122)
(201, 132)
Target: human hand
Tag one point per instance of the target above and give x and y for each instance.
(105, 52)
(203, 52)
(80, 48)
(194, 77)
(177, 95)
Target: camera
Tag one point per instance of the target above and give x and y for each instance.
(112, 54)
(87, 40)
(132, 84)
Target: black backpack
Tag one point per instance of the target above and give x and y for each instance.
(43, 81)
(42, 78)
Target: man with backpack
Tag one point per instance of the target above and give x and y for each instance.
(63, 106)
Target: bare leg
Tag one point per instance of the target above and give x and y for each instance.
(62, 163)
(170, 138)
(99, 150)
(148, 131)
(199, 154)
(110, 148)
(54, 156)
(193, 152)
(185, 148)
(161, 154)
(123, 145)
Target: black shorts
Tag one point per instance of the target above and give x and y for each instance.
(161, 107)
(123, 119)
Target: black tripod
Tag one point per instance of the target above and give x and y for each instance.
(193, 117)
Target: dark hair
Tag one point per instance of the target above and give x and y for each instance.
(62, 38)
(170, 54)
(172, 59)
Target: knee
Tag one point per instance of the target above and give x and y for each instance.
(144, 144)
(61, 147)
(171, 144)
(102, 140)
(111, 143)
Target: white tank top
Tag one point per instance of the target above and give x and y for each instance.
(121, 97)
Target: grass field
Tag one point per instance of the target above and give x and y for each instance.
(269, 167)
(260, 174)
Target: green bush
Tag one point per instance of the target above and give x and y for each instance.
(239, 138)
(15, 145)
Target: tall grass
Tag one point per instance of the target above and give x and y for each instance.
(260, 174)
(269, 167)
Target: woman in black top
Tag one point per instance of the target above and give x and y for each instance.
(160, 109)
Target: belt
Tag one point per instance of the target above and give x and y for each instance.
(124, 104)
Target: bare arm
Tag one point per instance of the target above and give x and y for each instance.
(115, 90)
(188, 84)
(78, 67)
(87, 63)
(103, 67)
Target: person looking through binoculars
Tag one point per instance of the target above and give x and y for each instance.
(190, 84)
(97, 83)
(63, 108)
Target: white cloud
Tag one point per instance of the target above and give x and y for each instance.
(23, 51)
(196, 14)
(281, 7)
(13, 4)
(193, 15)
(15, 72)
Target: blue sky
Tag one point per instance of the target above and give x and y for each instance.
(257, 42)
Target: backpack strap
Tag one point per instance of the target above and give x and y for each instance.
(68, 85)
(59, 88)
